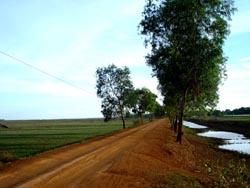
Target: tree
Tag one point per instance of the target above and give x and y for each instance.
(171, 105)
(237, 111)
(186, 37)
(159, 110)
(113, 86)
(143, 100)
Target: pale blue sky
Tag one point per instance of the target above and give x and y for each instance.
(70, 39)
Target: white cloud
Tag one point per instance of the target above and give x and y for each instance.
(48, 88)
(59, 89)
(130, 58)
(246, 64)
(245, 59)
(235, 92)
(133, 8)
(234, 95)
(238, 74)
(240, 22)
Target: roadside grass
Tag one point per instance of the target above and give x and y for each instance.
(223, 168)
(30, 137)
(178, 180)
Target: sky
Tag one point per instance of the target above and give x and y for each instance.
(71, 39)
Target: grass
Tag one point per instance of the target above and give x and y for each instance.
(29, 137)
(231, 118)
(223, 168)
(177, 180)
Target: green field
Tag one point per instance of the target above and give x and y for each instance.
(232, 118)
(29, 137)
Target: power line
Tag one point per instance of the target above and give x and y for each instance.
(44, 72)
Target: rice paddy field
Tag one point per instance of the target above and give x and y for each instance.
(233, 118)
(25, 138)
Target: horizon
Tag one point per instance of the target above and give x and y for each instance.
(98, 118)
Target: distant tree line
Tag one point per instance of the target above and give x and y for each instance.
(237, 111)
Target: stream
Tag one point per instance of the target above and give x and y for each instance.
(231, 141)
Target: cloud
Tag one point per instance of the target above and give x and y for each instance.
(239, 71)
(69, 42)
(234, 94)
(133, 8)
(245, 59)
(44, 88)
(240, 20)
(129, 58)
(235, 91)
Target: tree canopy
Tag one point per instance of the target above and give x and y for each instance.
(113, 87)
(186, 38)
(143, 100)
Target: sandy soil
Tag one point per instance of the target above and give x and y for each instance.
(139, 157)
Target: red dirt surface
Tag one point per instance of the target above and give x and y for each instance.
(138, 157)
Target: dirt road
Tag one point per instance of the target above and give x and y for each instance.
(137, 157)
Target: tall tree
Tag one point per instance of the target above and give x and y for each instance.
(113, 86)
(186, 37)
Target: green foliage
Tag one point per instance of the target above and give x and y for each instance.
(159, 111)
(113, 87)
(186, 37)
(199, 111)
(217, 113)
(143, 100)
(238, 111)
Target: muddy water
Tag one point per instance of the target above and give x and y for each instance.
(232, 141)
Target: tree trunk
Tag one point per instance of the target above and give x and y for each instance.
(123, 123)
(179, 130)
(122, 116)
(182, 106)
(171, 123)
(175, 123)
(141, 118)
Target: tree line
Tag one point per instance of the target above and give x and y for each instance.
(186, 40)
(237, 111)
